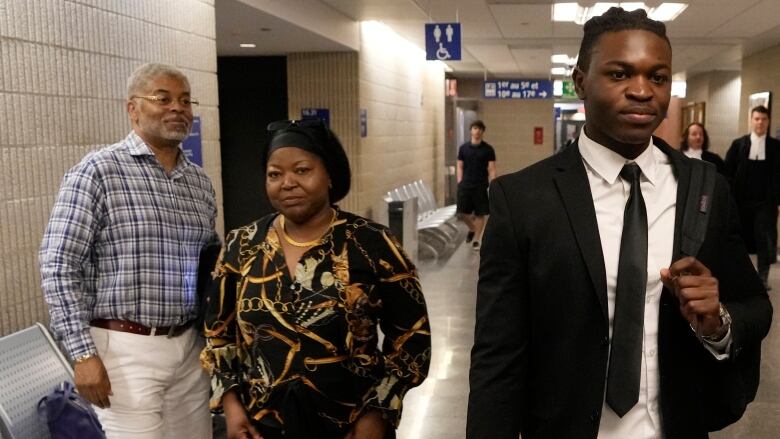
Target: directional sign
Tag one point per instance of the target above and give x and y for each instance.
(519, 89)
(442, 41)
(322, 114)
(192, 145)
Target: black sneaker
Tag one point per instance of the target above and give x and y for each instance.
(469, 237)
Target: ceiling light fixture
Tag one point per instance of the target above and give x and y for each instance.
(248, 45)
(558, 71)
(580, 14)
(562, 58)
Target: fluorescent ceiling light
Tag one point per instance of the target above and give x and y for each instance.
(679, 88)
(580, 14)
(558, 70)
(565, 11)
(667, 11)
(558, 88)
(562, 58)
(600, 9)
(248, 45)
(633, 6)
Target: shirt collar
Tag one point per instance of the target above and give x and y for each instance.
(608, 164)
(694, 153)
(137, 146)
(755, 137)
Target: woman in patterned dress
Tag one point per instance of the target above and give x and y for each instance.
(299, 295)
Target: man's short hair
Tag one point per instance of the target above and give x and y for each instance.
(479, 124)
(759, 109)
(615, 20)
(137, 81)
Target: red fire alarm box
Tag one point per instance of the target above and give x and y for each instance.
(538, 135)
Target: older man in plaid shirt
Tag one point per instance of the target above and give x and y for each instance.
(119, 264)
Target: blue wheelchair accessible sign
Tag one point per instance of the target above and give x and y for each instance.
(442, 41)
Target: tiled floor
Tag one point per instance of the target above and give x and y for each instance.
(437, 409)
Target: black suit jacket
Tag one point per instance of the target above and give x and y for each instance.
(737, 168)
(539, 361)
(715, 159)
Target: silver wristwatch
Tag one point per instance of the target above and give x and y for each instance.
(725, 325)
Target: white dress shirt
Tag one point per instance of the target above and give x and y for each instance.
(610, 194)
(757, 147)
(693, 153)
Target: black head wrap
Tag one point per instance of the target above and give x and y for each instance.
(320, 141)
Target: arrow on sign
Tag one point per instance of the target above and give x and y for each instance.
(543, 94)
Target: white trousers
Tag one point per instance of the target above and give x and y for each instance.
(159, 389)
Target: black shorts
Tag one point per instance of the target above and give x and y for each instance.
(473, 200)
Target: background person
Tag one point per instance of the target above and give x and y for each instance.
(476, 169)
(696, 144)
(291, 329)
(119, 263)
(753, 166)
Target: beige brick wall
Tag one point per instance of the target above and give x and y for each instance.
(719, 90)
(404, 99)
(510, 126)
(329, 80)
(760, 72)
(63, 66)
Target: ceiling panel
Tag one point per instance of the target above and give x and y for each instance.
(523, 21)
(533, 61)
(700, 20)
(361, 10)
(240, 23)
(499, 35)
(566, 30)
(752, 22)
(496, 58)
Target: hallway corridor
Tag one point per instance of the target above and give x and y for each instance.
(437, 409)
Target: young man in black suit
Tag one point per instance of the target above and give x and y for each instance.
(753, 166)
(590, 322)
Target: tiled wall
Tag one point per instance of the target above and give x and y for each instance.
(760, 72)
(403, 95)
(404, 99)
(329, 80)
(63, 66)
(720, 90)
(510, 127)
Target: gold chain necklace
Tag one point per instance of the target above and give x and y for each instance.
(295, 243)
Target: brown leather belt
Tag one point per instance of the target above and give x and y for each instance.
(135, 328)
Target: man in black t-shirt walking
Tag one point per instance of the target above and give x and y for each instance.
(476, 169)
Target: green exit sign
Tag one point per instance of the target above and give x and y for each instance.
(568, 90)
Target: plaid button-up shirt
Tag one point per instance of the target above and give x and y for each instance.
(123, 242)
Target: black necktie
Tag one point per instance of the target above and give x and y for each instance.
(628, 323)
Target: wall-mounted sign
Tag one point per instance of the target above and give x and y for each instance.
(442, 41)
(568, 90)
(191, 146)
(538, 135)
(322, 114)
(519, 89)
(363, 122)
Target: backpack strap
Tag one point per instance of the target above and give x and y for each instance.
(698, 206)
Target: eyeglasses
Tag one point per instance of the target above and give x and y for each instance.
(165, 101)
(284, 124)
